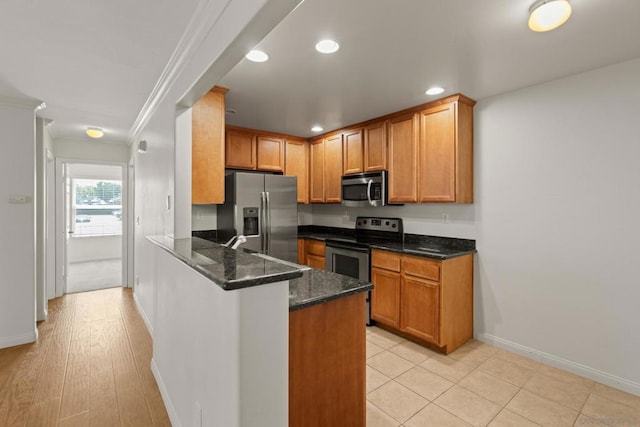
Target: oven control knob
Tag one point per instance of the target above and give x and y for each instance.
(386, 223)
(393, 226)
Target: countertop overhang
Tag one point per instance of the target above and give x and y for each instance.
(236, 269)
(228, 268)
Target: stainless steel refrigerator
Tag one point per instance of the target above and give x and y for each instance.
(263, 208)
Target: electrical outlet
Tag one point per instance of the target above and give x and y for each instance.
(137, 280)
(445, 218)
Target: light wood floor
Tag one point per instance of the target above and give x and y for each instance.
(90, 367)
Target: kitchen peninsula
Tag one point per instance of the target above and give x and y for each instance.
(241, 339)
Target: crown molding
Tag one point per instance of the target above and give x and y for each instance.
(22, 103)
(202, 20)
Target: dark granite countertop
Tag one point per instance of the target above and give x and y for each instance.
(228, 268)
(414, 244)
(319, 286)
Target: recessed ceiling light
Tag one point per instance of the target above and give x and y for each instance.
(436, 90)
(257, 56)
(95, 132)
(546, 15)
(317, 129)
(327, 46)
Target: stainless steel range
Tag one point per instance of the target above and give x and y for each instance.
(351, 256)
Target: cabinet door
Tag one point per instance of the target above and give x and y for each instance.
(438, 154)
(270, 153)
(241, 150)
(207, 148)
(352, 152)
(385, 297)
(297, 164)
(315, 261)
(420, 307)
(316, 181)
(333, 169)
(403, 159)
(375, 147)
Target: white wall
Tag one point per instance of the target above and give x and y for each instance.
(556, 222)
(232, 368)
(17, 239)
(204, 217)
(40, 230)
(50, 170)
(558, 209)
(94, 248)
(91, 150)
(155, 170)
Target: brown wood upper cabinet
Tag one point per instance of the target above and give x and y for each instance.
(325, 183)
(240, 149)
(316, 179)
(446, 153)
(253, 150)
(297, 164)
(207, 147)
(333, 169)
(353, 151)
(403, 158)
(375, 147)
(270, 153)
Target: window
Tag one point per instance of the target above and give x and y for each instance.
(96, 207)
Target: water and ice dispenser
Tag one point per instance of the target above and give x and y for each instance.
(250, 221)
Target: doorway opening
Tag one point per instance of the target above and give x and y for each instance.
(94, 242)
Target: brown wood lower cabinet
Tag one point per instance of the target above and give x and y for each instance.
(314, 254)
(327, 379)
(420, 308)
(385, 301)
(424, 299)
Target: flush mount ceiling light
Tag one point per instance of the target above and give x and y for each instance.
(327, 46)
(546, 15)
(257, 56)
(435, 90)
(95, 133)
(317, 129)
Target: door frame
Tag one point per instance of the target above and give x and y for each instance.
(61, 231)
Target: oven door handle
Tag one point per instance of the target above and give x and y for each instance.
(347, 247)
(369, 184)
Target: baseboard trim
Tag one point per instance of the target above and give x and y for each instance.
(19, 339)
(173, 417)
(143, 314)
(564, 364)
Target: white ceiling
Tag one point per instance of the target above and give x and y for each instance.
(92, 63)
(393, 50)
(96, 63)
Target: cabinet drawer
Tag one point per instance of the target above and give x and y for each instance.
(386, 260)
(314, 247)
(421, 267)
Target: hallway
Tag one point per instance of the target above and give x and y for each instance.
(90, 366)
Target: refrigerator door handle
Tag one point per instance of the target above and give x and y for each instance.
(262, 223)
(268, 214)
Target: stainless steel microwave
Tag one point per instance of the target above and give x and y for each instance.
(365, 189)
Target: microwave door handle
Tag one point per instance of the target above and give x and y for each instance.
(369, 184)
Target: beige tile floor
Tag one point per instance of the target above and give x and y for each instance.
(478, 385)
